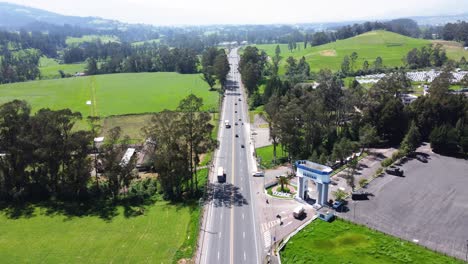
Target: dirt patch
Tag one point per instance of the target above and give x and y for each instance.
(451, 44)
(328, 53)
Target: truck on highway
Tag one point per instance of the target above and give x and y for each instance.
(221, 175)
(226, 123)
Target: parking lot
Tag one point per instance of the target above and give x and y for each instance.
(428, 206)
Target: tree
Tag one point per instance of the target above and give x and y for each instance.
(411, 140)
(342, 149)
(277, 54)
(365, 66)
(283, 180)
(94, 123)
(207, 76)
(378, 63)
(91, 66)
(354, 56)
(340, 195)
(221, 67)
(345, 65)
(368, 136)
(444, 139)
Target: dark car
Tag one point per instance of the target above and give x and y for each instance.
(240, 99)
(235, 123)
(235, 104)
(337, 204)
(394, 171)
(242, 146)
(237, 135)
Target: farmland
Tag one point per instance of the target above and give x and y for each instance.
(390, 46)
(50, 68)
(112, 94)
(340, 242)
(72, 41)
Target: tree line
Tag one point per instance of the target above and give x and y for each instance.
(329, 123)
(43, 156)
(19, 66)
(118, 58)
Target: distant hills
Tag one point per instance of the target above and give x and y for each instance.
(14, 16)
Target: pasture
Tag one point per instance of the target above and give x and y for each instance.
(112, 94)
(343, 242)
(50, 68)
(390, 46)
(163, 233)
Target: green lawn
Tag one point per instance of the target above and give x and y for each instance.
(155, 237)
(266, 154)
(139, 43)
(390, 46)
(112, 94)
(343, 242)
(50, 68)
(71, 41)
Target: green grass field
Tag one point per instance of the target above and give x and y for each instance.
(342, 242)
(139, 43)
(50, 68)
(163, 233)
(112, 94)
(71, 41)
(266, 153)
(390, 46)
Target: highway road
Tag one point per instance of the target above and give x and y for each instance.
(230, 234)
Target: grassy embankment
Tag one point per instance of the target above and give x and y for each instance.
(343, 242)
(390, 46)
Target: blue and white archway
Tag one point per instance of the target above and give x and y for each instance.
(320, 174)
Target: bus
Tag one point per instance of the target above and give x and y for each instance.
(221, 175)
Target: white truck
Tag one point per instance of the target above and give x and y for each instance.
(226, 123)
(221, 175)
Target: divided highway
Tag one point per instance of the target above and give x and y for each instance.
(230, 234)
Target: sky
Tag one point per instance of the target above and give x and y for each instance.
(201, 12)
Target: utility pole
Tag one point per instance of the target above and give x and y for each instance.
(466, 256)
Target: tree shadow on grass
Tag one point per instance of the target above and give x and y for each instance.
(105, 209)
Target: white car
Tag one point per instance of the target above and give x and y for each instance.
(258, 174)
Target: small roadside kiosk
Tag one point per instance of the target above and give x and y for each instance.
(320, 174)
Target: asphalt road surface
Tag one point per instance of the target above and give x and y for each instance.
(230, 234)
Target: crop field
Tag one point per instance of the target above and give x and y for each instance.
(45, 236)
(390, 46)
(71, 41)
(343, 242)
(112, 94)
(50, 68)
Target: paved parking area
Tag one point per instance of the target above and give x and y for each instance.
(429, 205)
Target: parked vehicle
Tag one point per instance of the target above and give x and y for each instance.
(337, 204)
(226, 123)
(394, 171)
(298, 212)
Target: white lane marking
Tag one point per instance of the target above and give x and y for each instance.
(219, 235)
(267, 238)
(243, 216)
(218, 255)
(245, 257)
(243, 235)
(288, 224)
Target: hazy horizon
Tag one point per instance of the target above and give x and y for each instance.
(204, 12)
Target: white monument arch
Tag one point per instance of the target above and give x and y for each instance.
(320, 174)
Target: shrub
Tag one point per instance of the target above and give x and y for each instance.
(387, 162)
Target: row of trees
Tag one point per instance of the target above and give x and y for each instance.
(426, 57)
(215, 66)
(48, 44)
(181, 136)
(349, 66)
(41, 155)
(146, 58)
(456, 31)
(329, 123)
(252, 67)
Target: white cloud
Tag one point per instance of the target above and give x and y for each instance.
(164, 12)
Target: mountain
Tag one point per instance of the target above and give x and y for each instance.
(14, 16)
